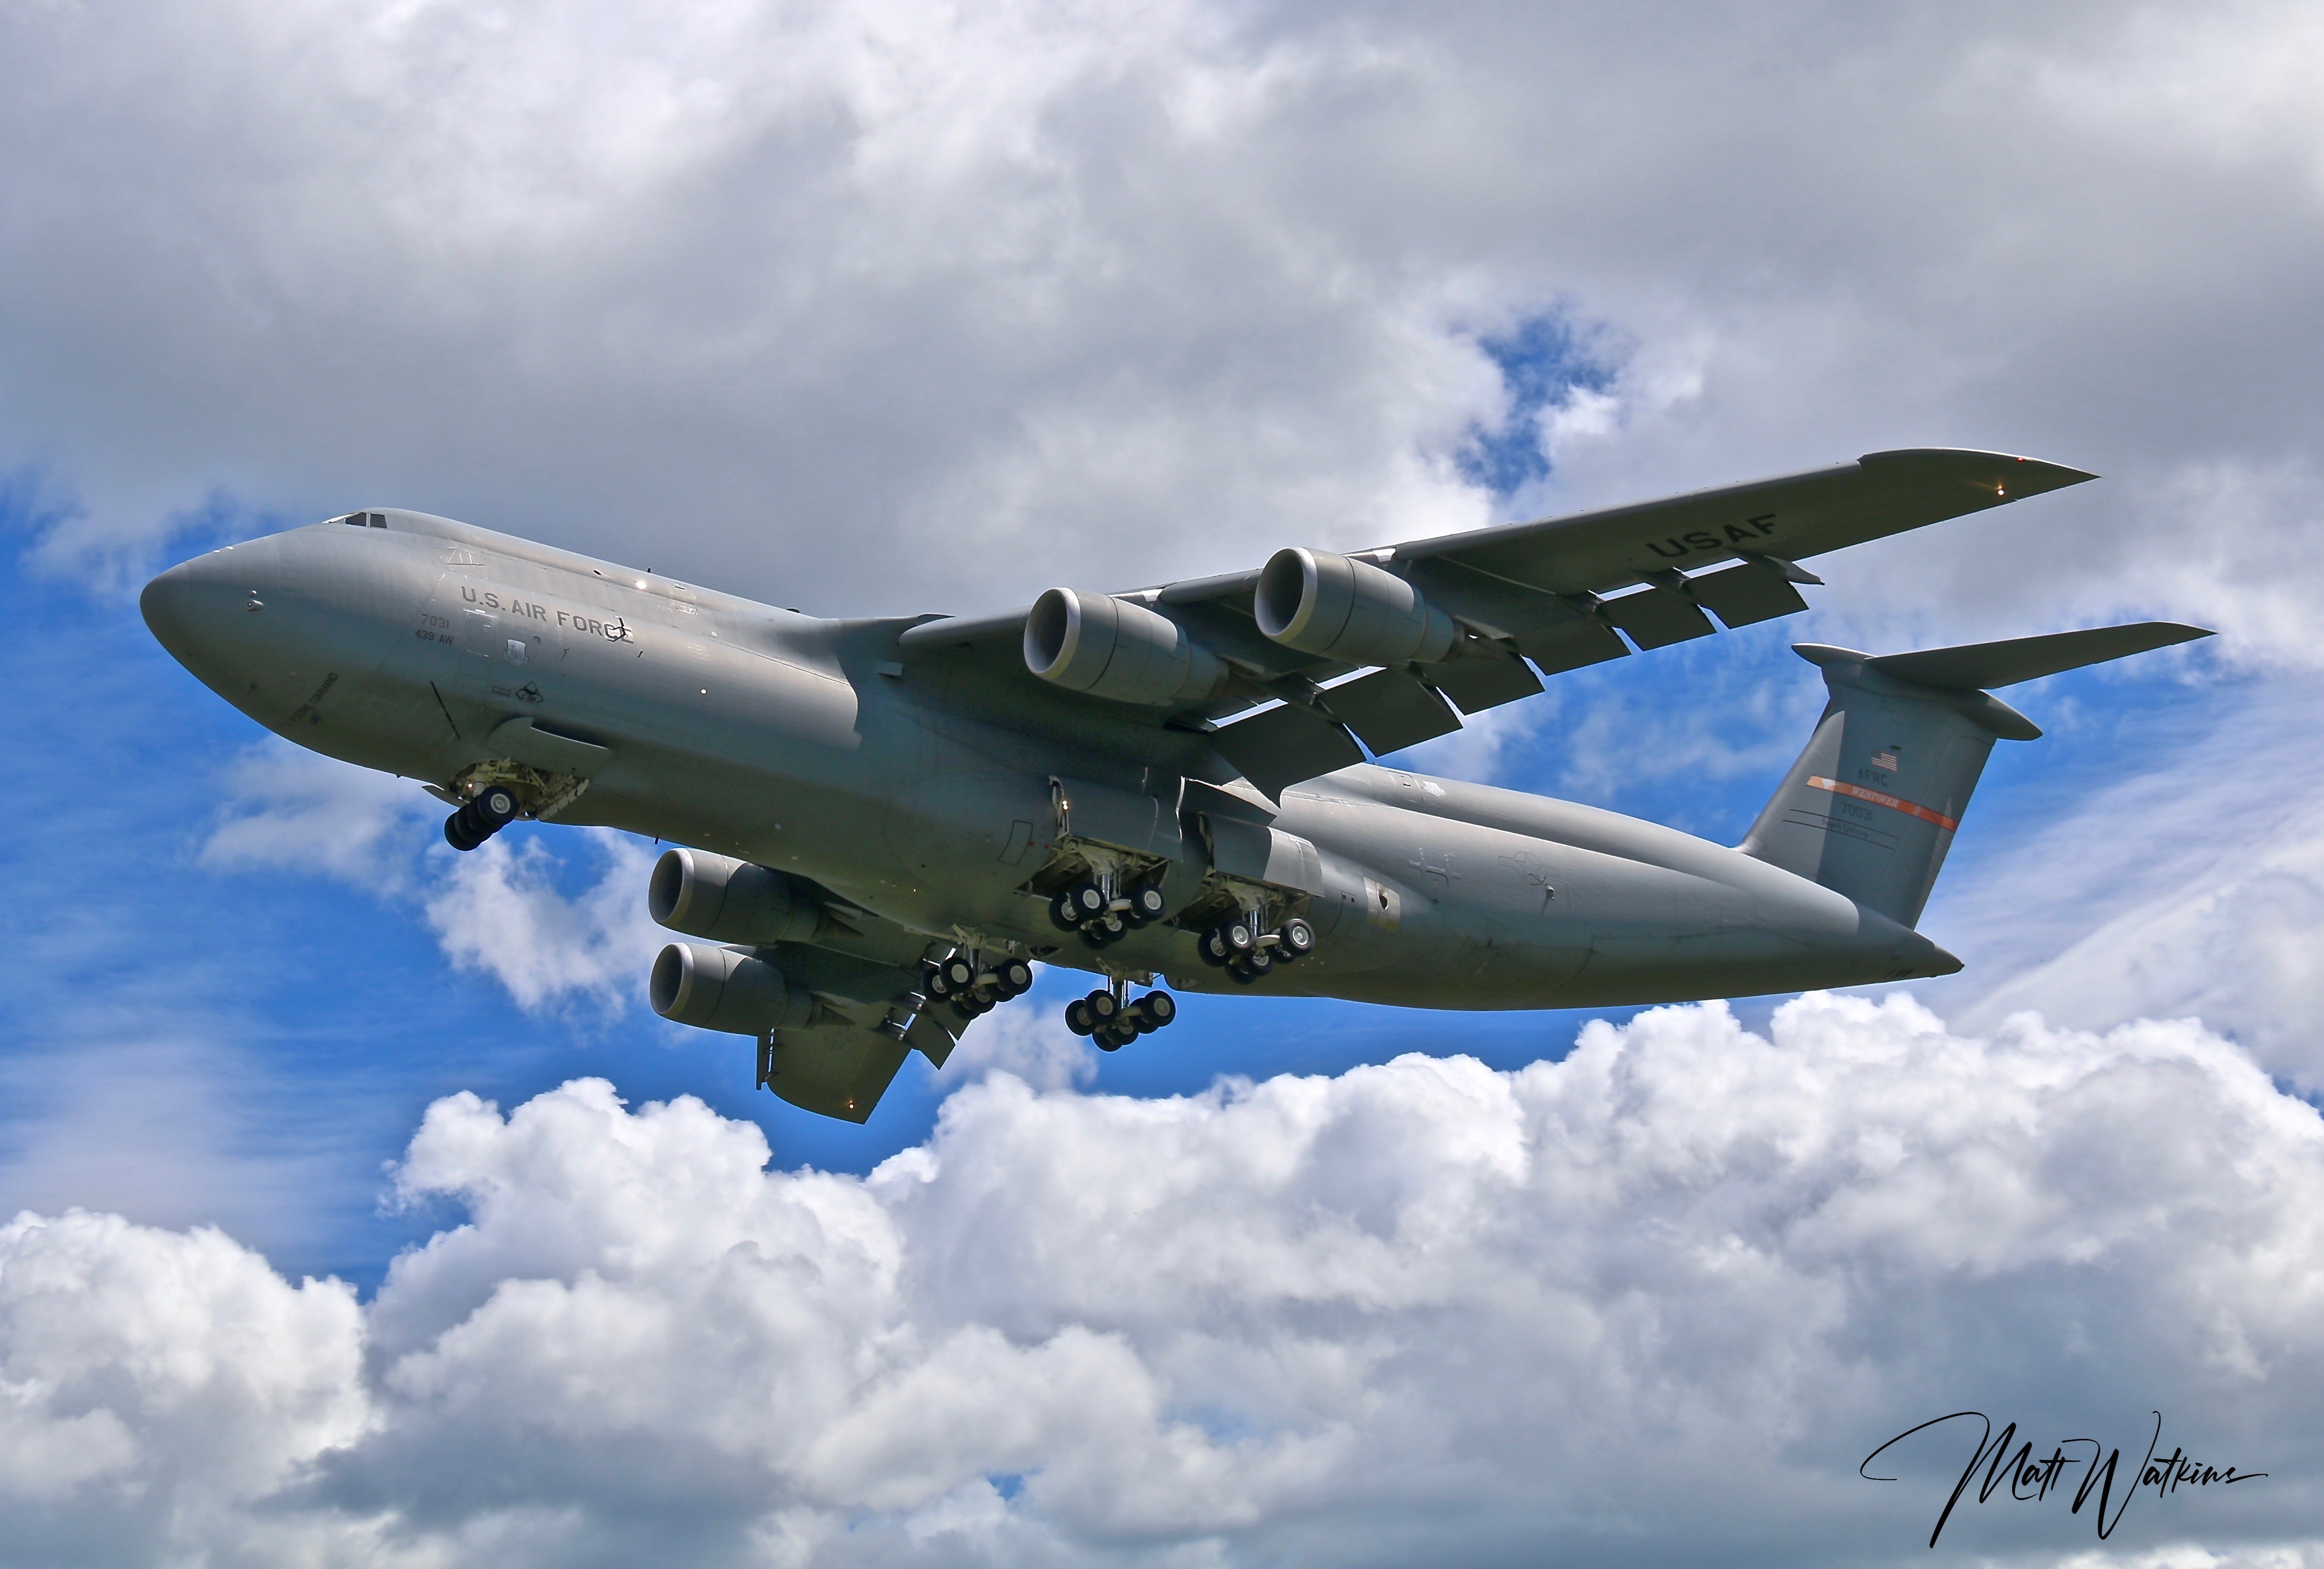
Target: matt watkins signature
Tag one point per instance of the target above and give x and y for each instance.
(2028, 1478)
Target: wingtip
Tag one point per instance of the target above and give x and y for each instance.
(2065, 474)
(2018, 475)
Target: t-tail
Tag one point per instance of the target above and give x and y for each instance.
(1871, 806)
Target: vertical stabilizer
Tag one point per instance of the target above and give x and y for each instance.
(1871, 806)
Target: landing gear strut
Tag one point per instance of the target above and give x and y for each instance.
(493, 808)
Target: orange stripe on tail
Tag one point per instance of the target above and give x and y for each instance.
(1894, 803)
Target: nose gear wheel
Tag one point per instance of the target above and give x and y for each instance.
(493, 808)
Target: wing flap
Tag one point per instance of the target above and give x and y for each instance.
(841, 1062)
(1743, 595)
(1277, 747)
(1571, 646)
(1657, 617)
(835, 1066)
(1483, 681)
(1389, 710)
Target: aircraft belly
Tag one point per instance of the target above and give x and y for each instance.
(1441, 914)
(1489, 918)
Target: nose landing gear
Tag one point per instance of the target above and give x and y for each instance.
(490, 810)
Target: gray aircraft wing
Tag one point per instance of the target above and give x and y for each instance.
(1527, 599)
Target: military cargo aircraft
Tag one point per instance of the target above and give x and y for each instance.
(882, 823)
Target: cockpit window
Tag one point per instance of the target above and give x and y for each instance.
(366, 520)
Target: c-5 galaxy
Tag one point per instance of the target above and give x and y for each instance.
(884, 821)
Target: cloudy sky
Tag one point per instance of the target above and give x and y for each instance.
(365, 1215)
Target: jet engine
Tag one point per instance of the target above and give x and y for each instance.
(1338, 609)
(1111, 648)
(724, 990)
(728, 900)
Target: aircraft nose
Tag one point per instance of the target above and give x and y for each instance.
(191, 610)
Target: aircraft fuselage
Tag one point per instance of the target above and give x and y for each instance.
(809, 746)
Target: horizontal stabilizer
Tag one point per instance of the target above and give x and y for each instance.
(1872, 804)
(1976, 666)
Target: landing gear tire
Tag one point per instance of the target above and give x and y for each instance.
(1103, 1008)
(1104, 930)
(1016, 977)
(495, 808)
(1156, 1010)
(1252, 966)
(1077, 1017)
(957, 973)
(1113, 1037)
(1296, 940)
(1226, 942)
(1147, 904)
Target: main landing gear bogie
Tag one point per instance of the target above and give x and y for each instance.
(1107, 1016)
(1237, 946)
(975, 990)
(1101, 917)
(490, 810)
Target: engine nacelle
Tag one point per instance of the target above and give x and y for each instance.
(1111, 648)
(729, 900)
(1350, 610)
(725, 990)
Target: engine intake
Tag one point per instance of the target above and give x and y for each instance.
(1350, 610)
(729, 900)
(724, 990)
(1111, 648)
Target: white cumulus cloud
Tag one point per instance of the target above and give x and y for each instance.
(1669, 1290)
(499, 910)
